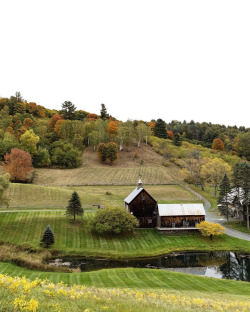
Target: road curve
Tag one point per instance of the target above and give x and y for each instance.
(213, 217)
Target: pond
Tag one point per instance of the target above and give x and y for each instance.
(227, 265)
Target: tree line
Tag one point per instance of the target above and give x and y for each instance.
(234, 195)
(56, 138)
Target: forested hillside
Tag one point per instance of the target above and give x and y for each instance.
(56, 139)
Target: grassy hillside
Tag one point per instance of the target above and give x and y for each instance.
(124, 171)
(181, 293)
(27, 228)
(27, 196)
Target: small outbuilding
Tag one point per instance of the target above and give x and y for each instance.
(185, 216)
(143, 206)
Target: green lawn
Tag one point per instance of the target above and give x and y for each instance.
(27, 228)
(136, 278)
(136, 290)
(28, 196)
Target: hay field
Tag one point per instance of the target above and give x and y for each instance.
(124, 171)
(28, 196)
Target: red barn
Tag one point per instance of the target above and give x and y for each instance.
(143, 206)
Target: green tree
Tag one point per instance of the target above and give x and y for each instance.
(74, 207)
(94, 139)
(112, 152)
(7, 142)
(68, 110)
(64, 155)
(236, 186)
(103, 112)
(42, 158)
(160, 129)
(224, 193)
(244, 145)
(245, 185)
(113, 220)
(4, 184)
(102, 152)
(177, 139)
(48, 238)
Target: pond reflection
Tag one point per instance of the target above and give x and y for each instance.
(227, 265)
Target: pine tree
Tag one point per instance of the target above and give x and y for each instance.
(224, 192)
(74, 207)
(245, 184)
(236, 185)
(103, 112)
(177, 139)
(160, 129)
(48, 238)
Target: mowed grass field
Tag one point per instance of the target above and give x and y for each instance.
(75, 239)
(28, 196)
(136, 278)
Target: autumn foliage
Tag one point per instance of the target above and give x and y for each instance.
(210, 229)
(107, 152)
(170, 134)
(218, 145)
(19, 165)
(112, 128)
(53, 121)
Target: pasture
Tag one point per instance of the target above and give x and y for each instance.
(26, 227)
(28, 196)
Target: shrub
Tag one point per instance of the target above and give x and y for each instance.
(113, 220)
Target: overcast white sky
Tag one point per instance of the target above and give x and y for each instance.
(180, 59)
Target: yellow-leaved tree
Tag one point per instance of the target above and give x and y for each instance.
(209, 229)
(29, 142)
(213, 171)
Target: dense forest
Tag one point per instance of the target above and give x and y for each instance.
(56, 138)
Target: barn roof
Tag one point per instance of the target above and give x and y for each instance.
(133, 195)
(166, 210)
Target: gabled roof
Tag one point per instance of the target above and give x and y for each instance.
(133, 195)
(166, 210)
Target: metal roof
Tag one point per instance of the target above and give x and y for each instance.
(166, 210)
(133, 195)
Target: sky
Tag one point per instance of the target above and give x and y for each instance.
(174, 60)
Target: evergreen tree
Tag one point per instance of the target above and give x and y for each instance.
(177, 139)
(224, 192)
(103, 112)
(68, 110)
(48, 238)
(74, 207)
(236, 185)
(160, 129)
(245, 185)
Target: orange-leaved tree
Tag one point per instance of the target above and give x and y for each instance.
(112, 129)
(210, 229)
(18, 164)
(218, 145)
